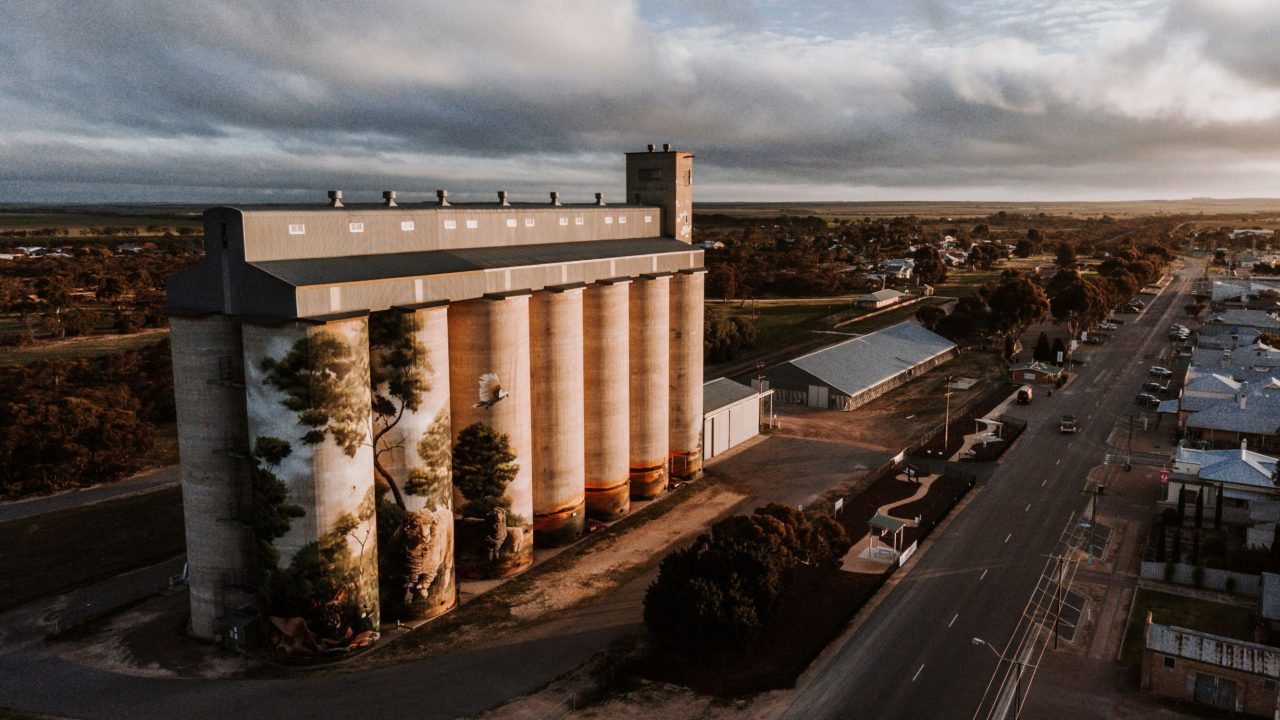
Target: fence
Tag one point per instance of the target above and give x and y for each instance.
(1211, 578)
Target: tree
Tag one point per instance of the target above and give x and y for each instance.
(1024, 248)
(1042, 351)
(929, 267)
(1066, 255)
(319, 379)
(483, 467)
(1075, 300)
(1059, 350)
(929, 315)
(1015, 304)
(396, 383)
(983, 255)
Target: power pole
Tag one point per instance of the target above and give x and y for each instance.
(946, 422)
(1128, 447)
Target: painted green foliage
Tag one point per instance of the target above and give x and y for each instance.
(489, 534)
(319, 378)
(270, 515)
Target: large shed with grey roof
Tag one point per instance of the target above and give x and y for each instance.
(856, 371)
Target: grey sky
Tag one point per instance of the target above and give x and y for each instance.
(220, 100)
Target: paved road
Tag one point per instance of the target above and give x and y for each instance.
(913, 657)
(144, 483)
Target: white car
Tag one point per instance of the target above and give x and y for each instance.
(1157, 371)
(1107, 326)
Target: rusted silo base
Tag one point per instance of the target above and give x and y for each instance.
(686, 467)
(424, 611)
(560, 528)
(505, 567)
(649, 482)
(609, 504)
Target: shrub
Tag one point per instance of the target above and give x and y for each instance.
(1197, 575)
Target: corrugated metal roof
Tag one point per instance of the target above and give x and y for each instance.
(1239, 317)
(723, 392)
(1271, 596)
(364, 268)
(425, 205)
(1261, 415)
(864, 362)
(1214, 650)
(879, 295)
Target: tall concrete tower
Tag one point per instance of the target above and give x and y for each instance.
(664, 178)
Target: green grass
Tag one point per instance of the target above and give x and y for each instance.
(781, 324)
(1186, 612)
(893, 317)
(64, 550)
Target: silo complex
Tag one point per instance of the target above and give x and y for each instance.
(489, 384)
(409, 362)
(607, 398)
(650, 307)
(377, 399)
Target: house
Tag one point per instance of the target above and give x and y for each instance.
(900, 268)
(1254, 419)
(1221, 672)
(1233, 320)
(955, 258)
(1236, 478)
(1035, 372)
(879, 299)
(850, 374)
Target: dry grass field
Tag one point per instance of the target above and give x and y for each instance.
(1266, 207)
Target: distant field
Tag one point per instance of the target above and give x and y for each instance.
(1142, 208)
(88, 346)
(79, 219)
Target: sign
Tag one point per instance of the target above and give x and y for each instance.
(898, 458)
(913, 473)
(839, 505)
(1059, 356)
(906, 554)
(1164, 476)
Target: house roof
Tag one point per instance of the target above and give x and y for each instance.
(881, 295)
(1214, 650)
(1237, 466)
(1169, 406)
(1261, 415)
(1270, 605)
(1240, 317)
(864, 362)
(723, 392)
(1038, 366)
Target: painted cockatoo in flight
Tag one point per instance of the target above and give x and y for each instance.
(490, 390)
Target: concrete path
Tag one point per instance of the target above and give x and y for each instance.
(860, 557)
(137, 485)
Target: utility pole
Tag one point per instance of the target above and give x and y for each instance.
(1128, 447)
(1093, 522)
(946, 422)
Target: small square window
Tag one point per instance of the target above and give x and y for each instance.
(473, 224)
(608, 219)
(564, 221)
(511, 222)
(297, 229)
(450, 224)
(355, 227)
(577, 221)
(622, 219)
(1269, 684)
(528, 222)
(407, 226)
(648, 218)
(1168, 662)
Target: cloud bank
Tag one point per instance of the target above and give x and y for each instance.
(227, 100)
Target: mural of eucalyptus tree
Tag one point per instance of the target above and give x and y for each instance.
(415, 528)
(490, 535)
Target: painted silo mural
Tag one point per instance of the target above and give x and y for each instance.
(409, 380)
(308, 401)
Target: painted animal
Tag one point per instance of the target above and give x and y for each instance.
(503, 540)
(490, 391)
(425, 548)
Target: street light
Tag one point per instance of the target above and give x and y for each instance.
(1017, 686)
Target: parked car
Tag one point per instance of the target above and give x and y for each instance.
(1093, 339)
(1067, 424)
(1152, 387)
(1158, 371)
(1147, 399)
(1024, 395)
(1107, 326)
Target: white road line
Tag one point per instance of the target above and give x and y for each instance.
(984, 573)
(1059, 462)
(1007, 538)
(953, 620)
(913, 677)
(1042, 482)
(1028, 507)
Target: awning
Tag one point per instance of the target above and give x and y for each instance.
(884, 522)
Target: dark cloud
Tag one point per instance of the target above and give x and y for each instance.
(186, 101)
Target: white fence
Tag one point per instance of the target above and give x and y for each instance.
(1213, 579)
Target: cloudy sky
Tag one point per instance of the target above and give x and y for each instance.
(225, 100)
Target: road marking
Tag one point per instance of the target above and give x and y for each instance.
(953, 620)
(984, 573)
(913, 677)
(1028, 507)
(1042, 482)
(1007, 538)
(1059, 462)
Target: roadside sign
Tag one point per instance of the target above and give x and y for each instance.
(1059, 356)
(839, 505)
(912, 473)
(1164, 476)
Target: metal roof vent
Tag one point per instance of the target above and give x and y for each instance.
(335, 198)
(502, 198)
(555, 198)
(600, 199)
(389, 198)
(651, 147)
(443, 197)
(666, 147)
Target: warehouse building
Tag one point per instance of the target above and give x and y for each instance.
(731, 415)
(330, 358)
(852, 373)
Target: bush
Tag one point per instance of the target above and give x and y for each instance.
(1197, 575)
(1169, 567)
(1230, 584)
(1170, 517)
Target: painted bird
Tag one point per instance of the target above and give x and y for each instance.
(490, 390)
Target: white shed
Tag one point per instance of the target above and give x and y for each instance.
(731, 415)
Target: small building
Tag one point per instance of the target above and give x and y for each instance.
(879, 299)
(1254, 419)
(901, 268)
(854, 372)
(1038, 372)
(1236, 477)
(1211, 670)
(731, 415)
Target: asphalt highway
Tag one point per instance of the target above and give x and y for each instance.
(914, 656)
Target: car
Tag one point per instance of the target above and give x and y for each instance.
(1147, 399)
(1152, 387)
(1138, 303)
(1108, 326)
(1157, 371)
(1093, 339)
(1067, 424)
(1176, 327)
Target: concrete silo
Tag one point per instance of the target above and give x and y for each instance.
(556, 359)
(409, 362)
(650, 308)
(607, 407)
(686, 374)
(489, 384)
